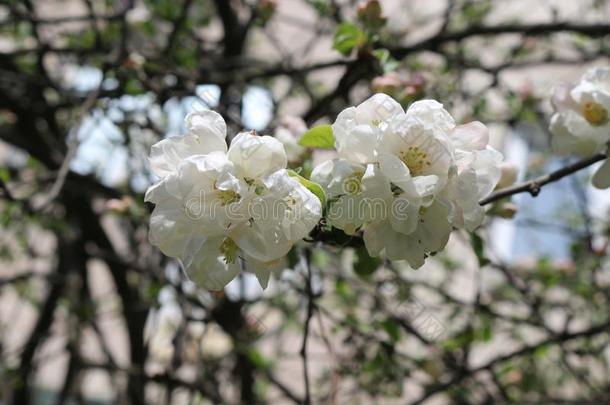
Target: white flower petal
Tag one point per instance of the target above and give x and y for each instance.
(257, 156)
(263, 270)
(427, 188)
(338, 176)
(347, 212)
(208, 268)
(207, 124)
(381, 238)
(601, 179)
(261, 242)
(170, 229)
(416, 144)
(166, 155)
(564, 142)
(377, 109)
(434, 228)
(432, 113)
(599, 77)
(471, 136)
(562, 98)
(397, 173)
(286, 213)
(359, 146)
(404, 214)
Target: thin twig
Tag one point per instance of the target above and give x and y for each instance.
(533, 186)
(73, 144)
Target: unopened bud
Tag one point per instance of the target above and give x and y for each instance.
(411, 91)
(388, 83)
(371, 14)
(509, 173)
(505, 210)
(118, 206)
(414, 88)
(266, 9)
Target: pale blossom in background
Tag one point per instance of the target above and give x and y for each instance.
(581, 122)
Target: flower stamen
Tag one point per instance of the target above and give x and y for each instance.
(595, 113)
(415, 159)
(227, 196)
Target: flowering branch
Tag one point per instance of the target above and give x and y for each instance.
(533, 186)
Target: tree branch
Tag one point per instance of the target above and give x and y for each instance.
(533, 186)
(434, 42)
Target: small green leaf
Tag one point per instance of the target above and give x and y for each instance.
(347, 37)
(5, 175)
(257, 359)
(320, 137)
(365, 265)
(345, 292)
(315, 188)
(479, 249)
(392, 329)
(386, 61)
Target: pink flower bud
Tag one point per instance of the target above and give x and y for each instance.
(371, 14)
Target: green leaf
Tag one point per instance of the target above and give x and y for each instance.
(365, 265)
(386, 61)
(347, 37)
(315, 188)
(5, 175)
(258, 360)
(392, 329)
(320, 137)
(479, 249)
(345, 292)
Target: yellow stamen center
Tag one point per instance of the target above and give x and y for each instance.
(415, 159)
(227, 196)
(595, 113)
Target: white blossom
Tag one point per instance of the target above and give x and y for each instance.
(216, 207)
(508, 174)
(206, 132)
(581, 122)
(256, 156)
(282, 213)
(357, 129)
(405, 179)
(343, 183)
(431, 234)
(477, 174)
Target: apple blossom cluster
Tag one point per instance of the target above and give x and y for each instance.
(218, 209)
(402, 179)
(406, 179)
(581, 122)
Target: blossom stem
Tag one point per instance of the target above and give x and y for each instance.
(533, 186)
